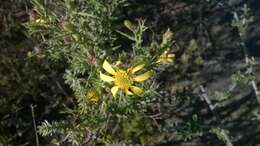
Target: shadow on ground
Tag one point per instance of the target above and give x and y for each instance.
(217, 44)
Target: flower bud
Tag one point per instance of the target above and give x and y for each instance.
(67, 26)
(167, 36)
(129, 25)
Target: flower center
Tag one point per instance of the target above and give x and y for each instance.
(123, 80)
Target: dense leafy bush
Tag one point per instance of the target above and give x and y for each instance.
(90, 76)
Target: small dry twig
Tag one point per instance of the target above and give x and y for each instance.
(212, 108)
(34, 125)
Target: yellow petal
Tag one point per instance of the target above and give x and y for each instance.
(171, 55)
(137, 68)
(159, 60)
(144, 76)
(170, 60)
(138, 91)
(108, 68)
(128, 92)
(114, 90)
(106, 78)
(40, 21)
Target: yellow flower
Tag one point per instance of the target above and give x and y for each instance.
(125, 79)
(42, 22)
(166, 56)
(92, 96)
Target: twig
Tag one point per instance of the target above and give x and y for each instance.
(257, 93)
(61, 88)
(212, 108)
(205, 97)
(34, 125)
(156, 115)
(253, 82)
(228, 141)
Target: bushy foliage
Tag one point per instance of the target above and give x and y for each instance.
(83, 36)
(102, 73)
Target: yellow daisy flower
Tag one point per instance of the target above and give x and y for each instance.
(42, 22)
(125, 79)
(92, 96)
(35, 17)
(166, 56)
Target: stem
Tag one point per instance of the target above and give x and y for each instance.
(34, 126)
(212, 108)
(253, 82)
(257, 93)
(205, 97)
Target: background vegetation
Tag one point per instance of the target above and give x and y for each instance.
(52, 53)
